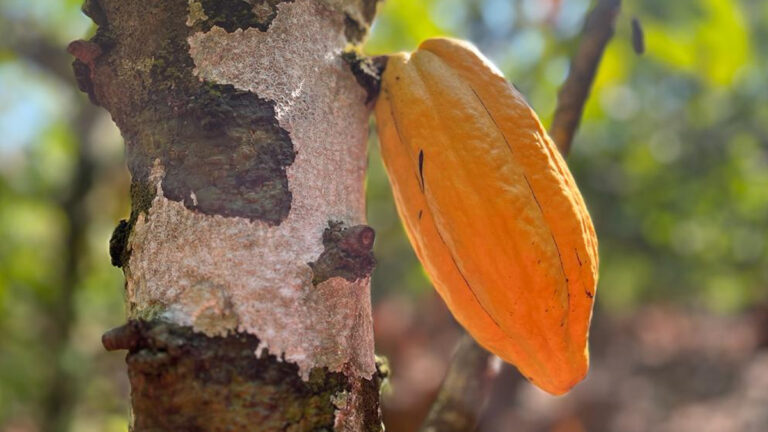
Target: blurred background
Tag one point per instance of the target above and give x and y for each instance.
(672, 158)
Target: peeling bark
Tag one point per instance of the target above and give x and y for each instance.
(245, 135)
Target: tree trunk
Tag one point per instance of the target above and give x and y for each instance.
(246, 259)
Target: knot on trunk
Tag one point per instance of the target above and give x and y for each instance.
(348, 253)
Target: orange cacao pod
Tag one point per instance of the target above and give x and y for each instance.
(491, 209)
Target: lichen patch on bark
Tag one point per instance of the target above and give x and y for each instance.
(196, 13)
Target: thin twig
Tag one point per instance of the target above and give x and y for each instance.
(598, 30)
(465, 390)
(467, 385)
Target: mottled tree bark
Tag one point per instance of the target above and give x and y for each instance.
(246, 257)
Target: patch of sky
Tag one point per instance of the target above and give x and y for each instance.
(60, 18)
(28, 104)
(498, 16)
(526, 47)
(569, 19)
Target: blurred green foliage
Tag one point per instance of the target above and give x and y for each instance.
(672, 158)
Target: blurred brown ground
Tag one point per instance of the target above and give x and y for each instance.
(661, 368)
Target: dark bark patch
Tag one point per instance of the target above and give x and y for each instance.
(83, 78)
(221, 149)
(367, 72)
(118, 244)
(142, 195)
(93, 10)
(369, 9)
(182, 380)
(348, 253)
(227, 158)
(354, 30)
(232, 15)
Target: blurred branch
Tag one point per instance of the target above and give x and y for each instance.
(61, 396)
(466, 388)
(35, 48)
(598, 30)
(62, 393)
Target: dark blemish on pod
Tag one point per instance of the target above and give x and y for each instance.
(577, 257)
(421, 212)
(589, 294)
(421, 169)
